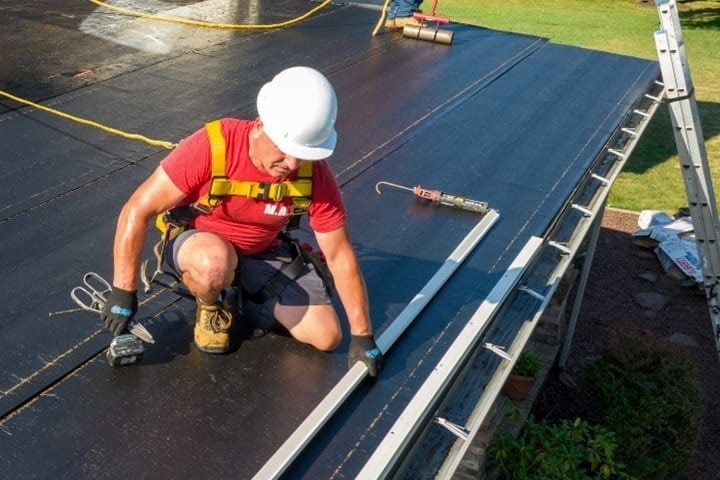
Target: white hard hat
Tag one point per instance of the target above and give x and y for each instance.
(298, 109)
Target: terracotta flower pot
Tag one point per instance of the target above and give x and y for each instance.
(517, 387)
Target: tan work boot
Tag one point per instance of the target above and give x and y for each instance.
(390, 24)
(212, 324)
(401, 22)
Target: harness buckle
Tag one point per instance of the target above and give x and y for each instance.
(213, 199)
(300, 205)
(270, 191)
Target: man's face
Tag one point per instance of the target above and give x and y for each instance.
(267, 157)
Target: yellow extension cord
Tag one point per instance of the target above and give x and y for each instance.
(196, 23)
(135, 136)
(131, 136)
(381, 20)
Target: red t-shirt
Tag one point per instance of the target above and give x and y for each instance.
(249, 224)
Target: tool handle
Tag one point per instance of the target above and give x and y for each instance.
(451, 200)
(88, 300)
(431, 18)
(463, 203)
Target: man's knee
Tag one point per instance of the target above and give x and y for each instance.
(327, 340)
(207, 259)
(212, 272)
(319, 327)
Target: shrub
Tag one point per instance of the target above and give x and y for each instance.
(570, 450)
(648, 394)
(527, 365)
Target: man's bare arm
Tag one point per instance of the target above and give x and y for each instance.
(154, 196)
(349, 283)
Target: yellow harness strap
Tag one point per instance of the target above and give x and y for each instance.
(300, 188)
(217, 148)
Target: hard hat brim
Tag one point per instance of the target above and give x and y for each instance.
(304, 152)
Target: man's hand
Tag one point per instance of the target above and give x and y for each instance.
(120, 307)
(363, 349)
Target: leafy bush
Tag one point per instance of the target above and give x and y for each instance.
(527, 365)
(570, 450)
(648, 394)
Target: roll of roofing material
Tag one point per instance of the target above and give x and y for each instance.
(428, 34)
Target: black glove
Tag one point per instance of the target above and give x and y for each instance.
(120, 307)
(363, 349)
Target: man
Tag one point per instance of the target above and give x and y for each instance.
(400, 14)
(233, 240)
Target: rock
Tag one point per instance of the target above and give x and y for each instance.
(651, 300)
(649, 276)
(644, 254)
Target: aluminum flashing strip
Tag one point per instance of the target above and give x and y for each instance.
(405, 318)
(388, 452)
(292, 447)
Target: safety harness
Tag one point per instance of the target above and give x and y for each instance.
(299, 189)
(175, 221)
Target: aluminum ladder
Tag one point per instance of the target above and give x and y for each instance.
(680, 97)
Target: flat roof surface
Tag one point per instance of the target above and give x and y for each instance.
(505, 118)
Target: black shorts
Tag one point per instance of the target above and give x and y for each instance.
(255, 271)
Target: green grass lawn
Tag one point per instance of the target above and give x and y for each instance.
(651, 178)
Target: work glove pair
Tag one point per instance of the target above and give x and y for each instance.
(120, 307)
(363, 349)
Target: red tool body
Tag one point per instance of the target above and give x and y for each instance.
(438, 19)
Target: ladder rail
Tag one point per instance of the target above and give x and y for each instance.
(682, 105)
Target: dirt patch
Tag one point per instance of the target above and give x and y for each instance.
(628, 290)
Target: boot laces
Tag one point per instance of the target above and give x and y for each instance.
(217, 319)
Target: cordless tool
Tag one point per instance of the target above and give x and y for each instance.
(125, 349)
